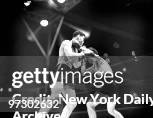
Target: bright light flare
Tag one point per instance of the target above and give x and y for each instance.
(61, 1)
(27, 3)
(44, 23)
(87, 33)
(124, 69)
(52, 3)
(9, 89)
(1, 89)
(29, 37)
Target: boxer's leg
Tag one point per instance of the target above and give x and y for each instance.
(112, 111)
(69, 107)
(91, 109)
(58, 88)
(91, 106)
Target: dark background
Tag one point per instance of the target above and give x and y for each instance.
(127, 23)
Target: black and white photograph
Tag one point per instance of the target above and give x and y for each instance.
(76, 59)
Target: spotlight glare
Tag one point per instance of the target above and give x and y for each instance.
(61, 1)
(63, 5)
(1, 89)
(124, 69)
(52, 3)
(9, 89)
(29, 37)
(87, 33)
(44, 23)
(27, 3)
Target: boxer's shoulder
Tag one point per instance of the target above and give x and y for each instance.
(66, 42)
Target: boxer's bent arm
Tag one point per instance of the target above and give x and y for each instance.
(68, 52)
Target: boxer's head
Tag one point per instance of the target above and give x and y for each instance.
(78, 37)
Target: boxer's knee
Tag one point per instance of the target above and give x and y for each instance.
(72, 105)
(111, 108)
(91, 105)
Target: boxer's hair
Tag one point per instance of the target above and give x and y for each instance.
(78, 33)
